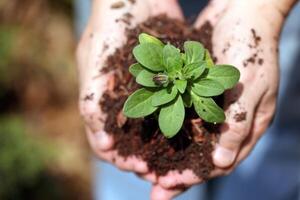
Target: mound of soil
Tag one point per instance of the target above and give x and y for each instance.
(191, 148)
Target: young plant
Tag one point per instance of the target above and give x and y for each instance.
(172, 80)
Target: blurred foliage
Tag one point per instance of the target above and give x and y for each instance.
(22, 158)
(26, 166)
(43, 151)
(36, 50)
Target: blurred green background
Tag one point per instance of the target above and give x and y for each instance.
(43, 151)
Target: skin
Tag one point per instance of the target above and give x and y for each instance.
(233, 42)
(91, 55)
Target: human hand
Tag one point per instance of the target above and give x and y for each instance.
(100, 39)
(246, 36)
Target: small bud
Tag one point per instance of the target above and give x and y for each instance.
(160, 79)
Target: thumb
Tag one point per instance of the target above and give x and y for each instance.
(239, 119)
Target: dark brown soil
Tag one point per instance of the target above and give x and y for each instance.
(117, 5)
(192, 147)
(254, 58)
(242, 116)
(257, 38)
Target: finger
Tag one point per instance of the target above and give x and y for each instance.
(108, 156)
(262, 119)
(151, 177)
(131, 164)
(159, 193)
(126, 164)
(211, 13)
(100, 141)
(174, 179)
(236, 128)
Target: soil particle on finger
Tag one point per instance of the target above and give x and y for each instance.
(117, 5)
(249, 60)
(89, 97)
(226, 48)
(105, 47)
(254, 58)
(132, 1)
(256, 38)
(191, 148)
(126, 18)
(242, 116)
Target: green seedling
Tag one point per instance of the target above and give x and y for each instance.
(172, 80)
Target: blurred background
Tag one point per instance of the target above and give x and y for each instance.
(40, 128)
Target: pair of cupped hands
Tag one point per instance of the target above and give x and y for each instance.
(242, 30)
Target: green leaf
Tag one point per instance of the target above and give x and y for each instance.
(150, 56)
(139, 104)
(193, 70)
(209, 61)
(145, 78)
(181, 85)
(194, 52)
(171, 117)
(183, 57)
(207, 88)
(172, 58)
(146, 38)
(164, 96)
(207, 109)
(135, 69)
(187, 99)
(227, 75)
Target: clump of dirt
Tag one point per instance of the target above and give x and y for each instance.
(254, 58)
(242, 116)
(117, 5)
(191, 148)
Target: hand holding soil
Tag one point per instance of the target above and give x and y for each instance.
(104, 34)
(250, 42)
(237, 33)
(244, 36)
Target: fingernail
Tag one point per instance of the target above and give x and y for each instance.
(223, 157)
(103, 140)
